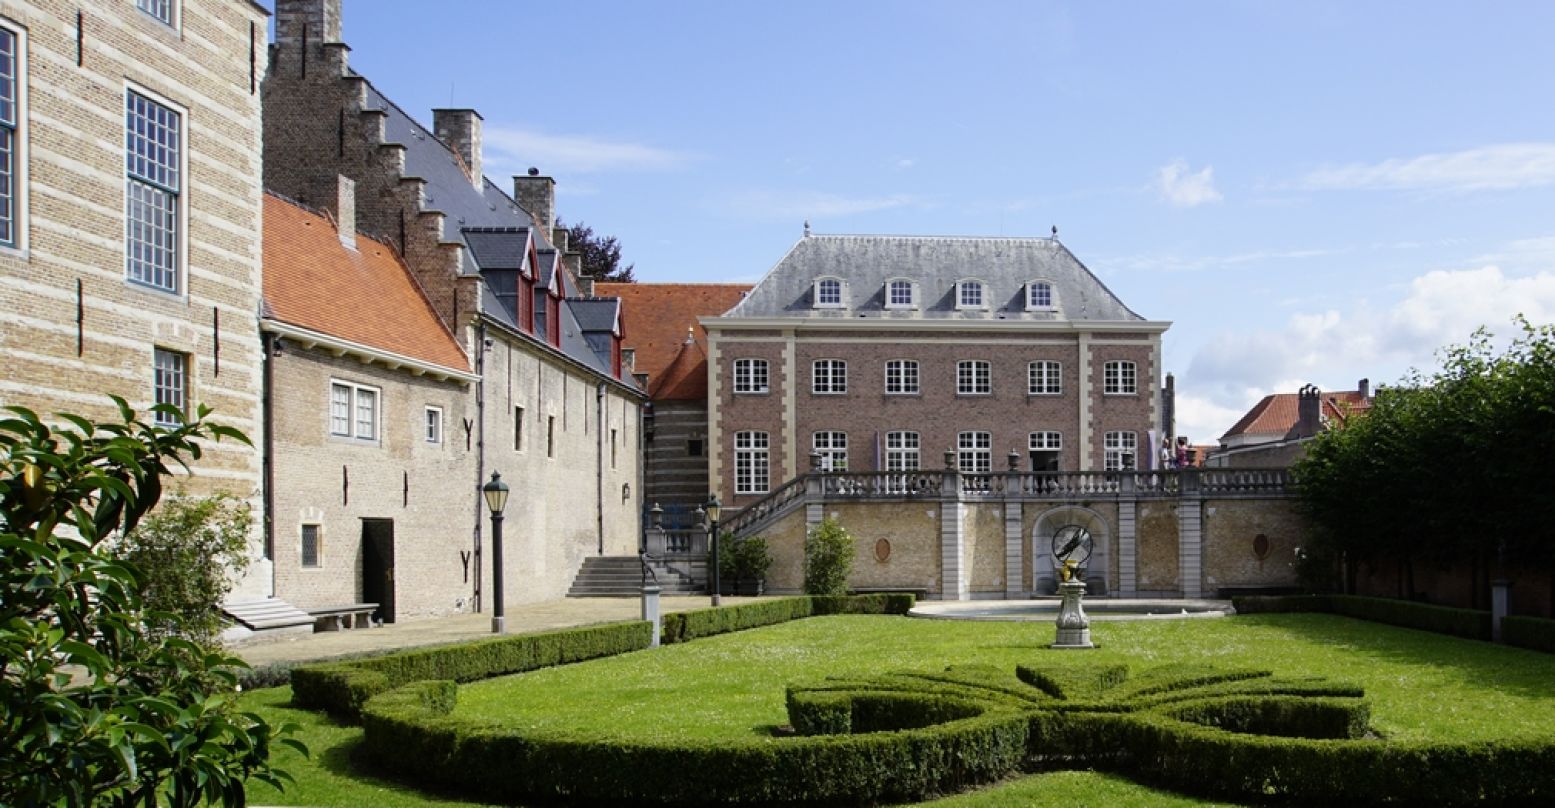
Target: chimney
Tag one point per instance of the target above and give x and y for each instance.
(316, 20)
(1309, 412)
(559, 238)
(537, 194)
(1364, 388)
(345, 211)
(461, 130)
(585, 284)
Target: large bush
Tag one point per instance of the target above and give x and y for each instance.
(189, 551)
(828, 558)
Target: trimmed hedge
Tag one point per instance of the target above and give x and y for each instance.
(683, 626)
(1470, 624)
(1536, 633)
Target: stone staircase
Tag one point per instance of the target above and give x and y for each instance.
(621, 576)
(265, 619)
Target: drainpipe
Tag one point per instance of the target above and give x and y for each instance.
(599, 465)
(267, 345)
(480, 455)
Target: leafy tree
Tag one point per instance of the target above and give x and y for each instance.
(601, 254)
(97, 709)
(189, 550)
(828, 558)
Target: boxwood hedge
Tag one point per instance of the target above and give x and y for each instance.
(1470, 624)
(1536, 633)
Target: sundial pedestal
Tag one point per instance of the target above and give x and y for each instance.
(1074, 628)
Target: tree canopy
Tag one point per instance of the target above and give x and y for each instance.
(601, 254)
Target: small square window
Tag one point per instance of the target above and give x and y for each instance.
(694, 447)
(974, 377)
(828, 293)
(829, 376)
(750, 375)
(353, 411)
(1119, 378)
(434, 425)
(899, 295)
(969, 295)
(901, 377)
(1044, 378)
(1039, 296)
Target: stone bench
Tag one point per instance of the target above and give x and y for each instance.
(336, 618)
(917, 591)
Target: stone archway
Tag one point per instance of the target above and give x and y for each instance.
(1098, 576)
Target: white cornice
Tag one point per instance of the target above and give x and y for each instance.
(877, 323)
(309, 338)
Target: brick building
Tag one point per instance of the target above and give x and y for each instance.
(890, 352)
(130, 216)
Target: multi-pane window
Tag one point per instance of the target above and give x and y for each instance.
(161, 9)
(750, 463)
(901, 376)
(1043, 378)
(833, 449)
(974, 452)
(1044, 448)
(1118, 378)
(898, 294)
(969, 295)
(750, 375)
(434, 425)
(153, 145)
(829, 376)
(311, 547)
(828, 292)
(901, 451)
(353, 411)
(973, 377)
(1121, 450)
(1039, 295)
(9, 119)
(171, 382)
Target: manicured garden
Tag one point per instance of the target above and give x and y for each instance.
(729, 690)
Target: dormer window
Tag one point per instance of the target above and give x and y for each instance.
(900, 294)
(971, 295)
(828, 293)
(1039, 296)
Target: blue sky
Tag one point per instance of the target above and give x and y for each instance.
(1310, 192)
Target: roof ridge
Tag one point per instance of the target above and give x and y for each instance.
(1043, 239)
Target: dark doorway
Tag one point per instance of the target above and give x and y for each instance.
(378, 566)
(1044, 460)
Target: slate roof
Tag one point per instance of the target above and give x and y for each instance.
(311, 280)
(498, 247)
(936, 263)
(1275, 415)
(596, 313)
(656, 317)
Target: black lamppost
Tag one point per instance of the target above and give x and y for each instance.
(712, 518)
(496, 494)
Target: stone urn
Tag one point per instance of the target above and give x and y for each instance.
(1074, 628)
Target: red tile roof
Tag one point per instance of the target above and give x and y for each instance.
(1277, 414)
(656, 318)
(366, 296)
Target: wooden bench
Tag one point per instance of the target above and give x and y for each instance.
(336, 618)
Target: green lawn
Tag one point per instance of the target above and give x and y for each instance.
(1421, 686)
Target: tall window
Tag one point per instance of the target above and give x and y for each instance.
(518, 429)
(974, 453)
(171, 383)
(9, 121)
(898, 294)
(829, 376)
(433, 425)
(828, 293)
(750, 463)
(1039, 296)
(1121, 451)
(550, 435)
(901, 451)
(969, 295)
(901, 377)
(161, 9)
(311, 547)
(750, 375)
(973, 378)
(833, 448)
(153, 148)
(353, 411)
(1118, 378)
(1043, 378)
(1044, 448)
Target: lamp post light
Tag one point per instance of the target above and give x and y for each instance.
(713, 507)
(496, 494)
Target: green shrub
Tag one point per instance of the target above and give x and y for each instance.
(828, 558)
(683, 626)
(1535, 633)
(1470, 624)
(190, 550)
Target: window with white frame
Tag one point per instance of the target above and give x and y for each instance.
(433, 425)
(153, 182)
(162, 10)
(1044, 378)
(171, 383)
(899, 294)
(833, 448)
(901, 377)
(11, 51)
(974, 452)
(829, 376)
(1045, 448)
(828, 293)
(974, 377)
(353, 411)
(750, 375)
(1118, 378)
(1121, 451)
(901, 451)
(971, 295)
(1039, 296)
(312, 547)
(750, 463)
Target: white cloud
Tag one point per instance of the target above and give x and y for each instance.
(1499, 167)
(811, 204)
(1184, 188)
(520, 148)
(905, 163)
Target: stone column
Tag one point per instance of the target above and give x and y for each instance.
(1190, 535)
(651, 612)
(1128, 548)
(1500, 597)
(952, 536)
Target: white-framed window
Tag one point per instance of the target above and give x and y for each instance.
(432, 424)
(833, 448)
(901, 377)
(353, 411)
(312, 546)
(1039, 296)
(828, 293)
(971, 294)
(13, 46)
(974, 377)
(1044, 448)
(900, 294)
(829, 376)
(974, 452)
(750, 375)
(750, 463)
(1119, 379)
(165, 11)
(1044, 377)
(901, 451)
(171, 384)
(153, 152)
(1121, 451)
